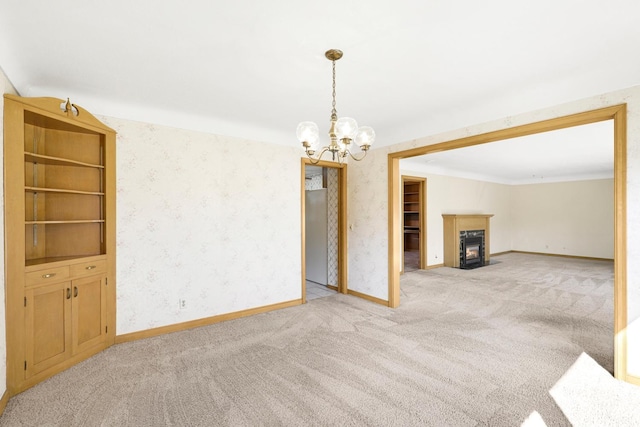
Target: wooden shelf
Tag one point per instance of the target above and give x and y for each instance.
(80, 221)
(56, 161)
(51, 260)
(60, 190)
(412, 206)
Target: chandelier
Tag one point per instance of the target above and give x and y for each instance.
(342, 131)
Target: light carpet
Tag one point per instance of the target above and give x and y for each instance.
(480, 347)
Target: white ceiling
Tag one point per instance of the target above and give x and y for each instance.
(254, 69)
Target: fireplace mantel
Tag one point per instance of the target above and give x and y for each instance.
(453, 225)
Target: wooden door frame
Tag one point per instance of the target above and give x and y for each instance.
(342, 224)
(617, 113)
(422, 198)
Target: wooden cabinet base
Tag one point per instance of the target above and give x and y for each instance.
(48, 373)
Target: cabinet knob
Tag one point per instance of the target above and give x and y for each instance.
(90, 267)
(48, 275)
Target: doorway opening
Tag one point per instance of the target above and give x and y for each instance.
(616, 113)
(413, 223)
(323, 229)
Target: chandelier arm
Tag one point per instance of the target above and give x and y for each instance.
(357, 159)
(314, 160)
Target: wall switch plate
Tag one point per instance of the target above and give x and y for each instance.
(182, 303)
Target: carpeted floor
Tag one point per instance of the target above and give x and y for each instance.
(480, 347)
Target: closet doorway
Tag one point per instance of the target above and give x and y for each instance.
(323, 202)
(414, 230)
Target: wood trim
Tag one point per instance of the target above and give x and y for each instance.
(3, 402)
(177, 327)
(394, 230)
(368, 297)
(620, 243)
(572, 120)
(633, 379)
(501, 253)
(110, 233)
(343, 272)
(335, 288)
(303, 234)
(559, 255)
(618, 114)
(431, 267)
(50, 107)
(14, 238)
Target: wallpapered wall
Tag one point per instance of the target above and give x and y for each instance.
(214, 220)
(367, 199)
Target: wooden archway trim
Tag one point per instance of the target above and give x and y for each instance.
(617, 113)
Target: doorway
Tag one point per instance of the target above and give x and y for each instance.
(618, 115)
(323, 229)
(413, 223)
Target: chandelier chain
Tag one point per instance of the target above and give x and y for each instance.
(334, 113)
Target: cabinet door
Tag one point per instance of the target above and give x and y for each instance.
(89, 310)
(48, 324)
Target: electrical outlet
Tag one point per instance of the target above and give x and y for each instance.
(182, 303)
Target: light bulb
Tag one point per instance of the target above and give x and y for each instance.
(308, 132)
(346, 127)
(365, 137)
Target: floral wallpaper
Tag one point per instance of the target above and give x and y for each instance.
(209, 219)
(368, 208)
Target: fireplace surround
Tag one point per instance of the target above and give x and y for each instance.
(454, 225)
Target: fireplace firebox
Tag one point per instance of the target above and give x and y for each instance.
(471, 249)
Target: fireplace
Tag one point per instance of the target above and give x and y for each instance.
(471, 249)
(459, 227)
